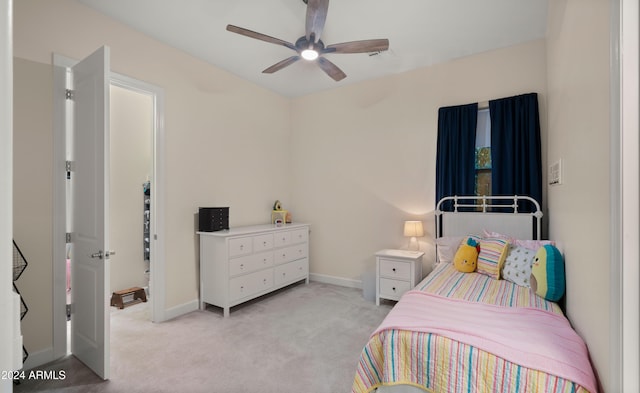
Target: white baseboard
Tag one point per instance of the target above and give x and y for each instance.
(341, 281)
(39, 358)
(179, 310)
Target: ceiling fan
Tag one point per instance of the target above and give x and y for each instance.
(310, 47)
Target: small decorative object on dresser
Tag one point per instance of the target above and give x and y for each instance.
(246, 262)
(397, 271)
(279, 215)
(211, 219)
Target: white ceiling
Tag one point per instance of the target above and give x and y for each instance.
(420, 33)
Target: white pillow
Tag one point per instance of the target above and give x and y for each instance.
(517, 265)
(446, 247)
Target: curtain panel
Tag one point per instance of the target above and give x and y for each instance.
(455, 156)
(516, 148)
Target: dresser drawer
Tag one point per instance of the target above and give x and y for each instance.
(250, 263)
(295, 270)
(299, 236)
(393, 288)
(289, 254)
(282, 238)
(240, 246)
(395, 269)
(263, 242)
(250, 284)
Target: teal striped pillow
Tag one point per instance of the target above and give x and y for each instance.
(492, 253)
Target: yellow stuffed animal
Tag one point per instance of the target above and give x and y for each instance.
(466, 258)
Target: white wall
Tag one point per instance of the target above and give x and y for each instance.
(131, 165)
(33, 198)
(366, 160)
(579, 133)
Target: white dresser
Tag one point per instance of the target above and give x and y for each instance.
(397, 271)
(242, 263)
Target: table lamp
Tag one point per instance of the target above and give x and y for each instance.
(413, 229)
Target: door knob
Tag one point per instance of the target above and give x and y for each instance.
(101, 255)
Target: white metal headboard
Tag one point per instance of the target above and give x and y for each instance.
(479, 213)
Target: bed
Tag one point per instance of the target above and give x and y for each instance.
(473, 332)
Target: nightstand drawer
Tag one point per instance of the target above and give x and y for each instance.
(395, 269)
(393, 288)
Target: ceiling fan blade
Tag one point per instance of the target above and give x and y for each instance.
(281, 64)
(259, 36)
(363, 46)
(331, 69)
(316, 16)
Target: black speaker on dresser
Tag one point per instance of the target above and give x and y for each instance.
(213, 219)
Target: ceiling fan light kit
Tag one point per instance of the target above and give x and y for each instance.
(309, 54)
(309, 47)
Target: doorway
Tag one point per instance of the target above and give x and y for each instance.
(131, 176)
(145, 273)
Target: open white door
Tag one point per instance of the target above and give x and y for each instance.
(90, 212)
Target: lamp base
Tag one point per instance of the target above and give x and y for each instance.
(413, 244)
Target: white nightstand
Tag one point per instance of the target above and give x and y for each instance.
(397, 271)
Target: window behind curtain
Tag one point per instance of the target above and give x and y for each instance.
(483, 153)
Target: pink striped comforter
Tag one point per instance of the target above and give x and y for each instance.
(533, 338)
(437, 363)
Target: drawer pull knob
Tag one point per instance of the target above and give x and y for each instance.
(264, 243)
(241, 266)
(394, 269)
(241, 246)
(264, 281)
(394, 289)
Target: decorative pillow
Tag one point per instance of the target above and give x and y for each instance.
(547, 273)
(530, 244)
(517, 265)
(493, 250)
(466, 258)
(446, 247)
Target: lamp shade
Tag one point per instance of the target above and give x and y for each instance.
(413, 229)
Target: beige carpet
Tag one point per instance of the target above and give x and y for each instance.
(304, 338)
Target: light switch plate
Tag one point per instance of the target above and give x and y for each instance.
(555, 173)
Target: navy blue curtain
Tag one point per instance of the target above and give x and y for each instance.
(455, 156)
(516, 166)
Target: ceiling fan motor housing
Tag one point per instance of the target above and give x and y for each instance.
(302, 43)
